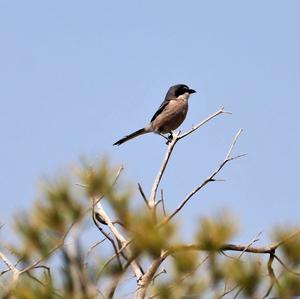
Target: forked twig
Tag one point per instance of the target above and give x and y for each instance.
(171, 144)
(208, 179)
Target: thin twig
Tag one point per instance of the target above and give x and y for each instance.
(233, 144)
(237, 293)
(285, 266)
(273, 278)
(228, 292)
(146, 279)
(162, 170)
(90, 250)
(238, 258)
(135, 267)
(111, 240)
(96, 201)
(209, 179)
(162, 271)
(285, 240)
(163, 202)
(143, 195)
(10, 266)
(176, 137)
(220, 111)
(250, 244)
(183, 278)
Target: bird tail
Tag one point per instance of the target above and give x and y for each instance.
(132, 135)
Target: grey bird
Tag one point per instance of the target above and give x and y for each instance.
(170, 114)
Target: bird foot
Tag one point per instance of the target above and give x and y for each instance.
(169, 138)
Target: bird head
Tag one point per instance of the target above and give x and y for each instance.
(178, 90)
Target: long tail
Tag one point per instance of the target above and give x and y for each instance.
(132, 135)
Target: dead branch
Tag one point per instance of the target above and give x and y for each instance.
(220, 111)
(143, 195)
(162, 170)
(135, 267)
(104, 233)
(175, 139)
(209, 179)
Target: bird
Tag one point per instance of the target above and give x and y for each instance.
(169, 116)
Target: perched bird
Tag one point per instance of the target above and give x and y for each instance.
(170, 114)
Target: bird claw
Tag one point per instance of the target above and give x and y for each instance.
(170, 137)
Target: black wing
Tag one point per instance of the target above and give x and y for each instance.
(160, 109)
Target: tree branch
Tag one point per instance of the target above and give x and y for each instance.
(10, 266)
(162, 170)
(143, 195)
(209, 179)
(148, 276)
(111, 240)
(220, 111)
(176, 137)
(135, 267)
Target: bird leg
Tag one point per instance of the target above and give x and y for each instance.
(169, 138)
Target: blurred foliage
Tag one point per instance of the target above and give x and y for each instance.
(45, 225)
(185, 261)
(147, 238)
(290, 246)
(247, 274)
(213, 233)
(56, 235)
(289, 286)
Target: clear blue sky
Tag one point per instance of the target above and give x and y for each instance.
(78, 75)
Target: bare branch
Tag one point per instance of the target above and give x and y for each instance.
(143, 195)
(251, 243)
(272, 276)
(146, 279)
(162, 170)
(228, 292)
(237, 293)
(171, 144)
(135, 267)
(121, 168)
(163, 202)
(246, 248)
(285, 266)
(111, 240)
(220, 111)
(225, 247)
(209, 179)
(233, 144)
(162, 271)
(10, 266)
(184, 277)
(91, 249)
(288, 238)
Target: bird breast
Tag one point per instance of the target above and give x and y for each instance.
(172, 116)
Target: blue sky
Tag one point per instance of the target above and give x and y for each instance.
(76, 76)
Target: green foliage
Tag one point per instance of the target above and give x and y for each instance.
(246, 274)
(98, 180)
(146, 236)
(181, 289)
(53, 233)
(290, 246)
(289, 286)
(51, 217)
(213, 233)
(185, 261)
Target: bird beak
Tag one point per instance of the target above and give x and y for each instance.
(192, 91)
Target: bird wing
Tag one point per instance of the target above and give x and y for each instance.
(160, 109)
